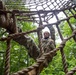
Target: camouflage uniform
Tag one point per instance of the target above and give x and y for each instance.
(47, 44)
(52, 31)
(33, 49)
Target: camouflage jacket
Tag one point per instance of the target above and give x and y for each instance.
(47, 44)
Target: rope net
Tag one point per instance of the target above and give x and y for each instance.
(41, 12)
(43, 7)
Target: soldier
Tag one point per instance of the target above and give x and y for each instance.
(47, 45)
(47, 42)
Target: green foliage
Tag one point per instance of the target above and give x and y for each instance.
(15, 4)
(56, 66)
(19, 55)
(2, 54)
(28, 26)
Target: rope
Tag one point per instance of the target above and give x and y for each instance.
(64, 60)
(35, 12)
(11, 36)
(7, 59)
(40, 62)
(38, 67)
(72, 71)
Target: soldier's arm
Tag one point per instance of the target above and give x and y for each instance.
(52, 45)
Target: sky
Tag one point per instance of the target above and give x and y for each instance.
(36, 5)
